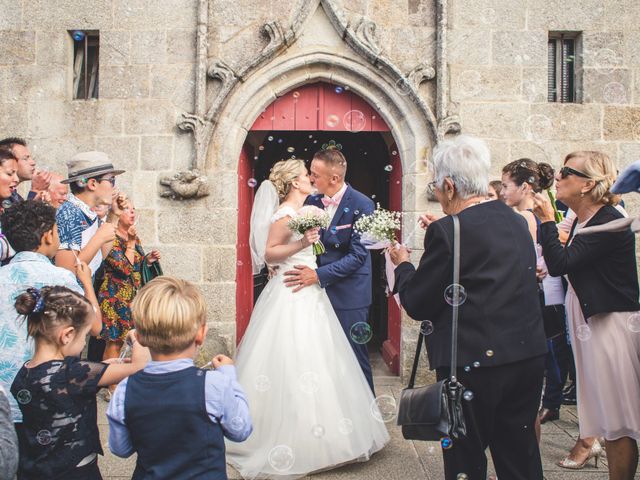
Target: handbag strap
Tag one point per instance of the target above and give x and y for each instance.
(416, 359)
(456, 293)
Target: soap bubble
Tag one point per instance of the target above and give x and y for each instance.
(261, 147)
(467, 395)
(296, 94)
(583, 332)
(346, 209)
(455, 294)
(633, 323)
(361, 332)
(291, 149)
(345, 426)
(317, 431)
(309, 382)
(384, 408)
(339, 90)
(388, 168)
(334, 230)
(469, 83)
(270, 138)
(355, 121)
(332, 121)
(394, 152)
(606, 60)
(281, 458)
(467, 368)
(614, 92)
(538, 128)
(402, 86)
(23, 396)
(356, 212)
(237, 424)
(426, 327)
(446, 443)
(252, 182)
(262, 383)
(462, 476)
(78, 35)
(476, 364)
(280, 140)
(44, 437)
(489, 353)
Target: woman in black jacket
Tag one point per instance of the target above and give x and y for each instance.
(602, 307)
(501, 342)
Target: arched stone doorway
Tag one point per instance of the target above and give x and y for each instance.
(295, 126)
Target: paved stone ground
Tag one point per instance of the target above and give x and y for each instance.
(401, 459)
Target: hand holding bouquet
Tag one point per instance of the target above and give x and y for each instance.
(378, 230)
(310, 217)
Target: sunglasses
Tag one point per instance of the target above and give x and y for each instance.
(111, 180)
(566, 171)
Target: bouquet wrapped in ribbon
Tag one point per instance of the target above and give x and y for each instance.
(310, 217)
(378, 231)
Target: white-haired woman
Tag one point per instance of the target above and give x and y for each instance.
(501, 341)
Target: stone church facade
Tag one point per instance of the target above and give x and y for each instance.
(181, 83)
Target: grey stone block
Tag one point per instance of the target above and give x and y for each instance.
(560, 15)
(477, 83)
(53, 48)
(498, 121)
(124, 82)
(33, 83)
(54, 152)
(221, 305)
(115, 48)
(80, 117)
(147, 230)
(124, 152)
(469, 47)
(620, 122)
(17, 47)
(156, 153)
(182, 261)
(11, 17)
(219, 264)
(520, 48)
(489, 15)
(145, 14)
(181, 46)
(563, 121)
(148, 47)
(67, 15)
(197, 225)
(149, 117)
(610, 87)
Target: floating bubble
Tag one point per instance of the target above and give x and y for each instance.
(281, 458)
(605, 60)
(446, 443)
(78, 35)
(633, 323)
(262, 383)
(467, 368)
(337, 245)
(334, 230)
(255, 158)
(239, 263)
(462, 476)
(237, 424)
(402, 86)
(309, 382)
(388, 168)
(6, 203)
(614, 92)
(261, 147)
(583, 332)
(317, 431)
(354, 121)
(384, 408)
(310, 136)
(476, 364)
(296, 94)
(23, 396)
(43, 437)
(291, 149)
(467, 395)
(538, 128)
(252, 182)
(469, 83)
(489, 353)
(332, 121)
(345, 426)
(426, 327)
(280, 140)
(373, 197)
(270, 138)
(361, 332)
(455, 294)
(346, 210)
(339, 90)
(356, 212)
(315, 141)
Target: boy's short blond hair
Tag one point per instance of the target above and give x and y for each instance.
(167, 313)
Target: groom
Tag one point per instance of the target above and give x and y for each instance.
(344, 271)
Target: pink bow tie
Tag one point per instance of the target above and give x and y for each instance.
(326, 201)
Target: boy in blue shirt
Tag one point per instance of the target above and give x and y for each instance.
(172, 414)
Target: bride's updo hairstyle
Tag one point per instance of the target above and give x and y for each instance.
(539, 176)
(283, 173)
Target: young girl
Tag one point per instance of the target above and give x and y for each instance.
(56, 391)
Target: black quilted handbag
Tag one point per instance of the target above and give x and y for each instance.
(435, 411)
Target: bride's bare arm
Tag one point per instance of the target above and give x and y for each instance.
(278, 246)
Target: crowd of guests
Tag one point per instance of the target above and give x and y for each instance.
(545, 300)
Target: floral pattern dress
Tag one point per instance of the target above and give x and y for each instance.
(122, 279)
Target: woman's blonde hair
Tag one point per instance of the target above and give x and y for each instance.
(167, 313)
(283, 173)
(601, 169)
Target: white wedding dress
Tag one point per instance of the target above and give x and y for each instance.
(310, 403)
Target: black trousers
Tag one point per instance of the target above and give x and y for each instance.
(500, 416)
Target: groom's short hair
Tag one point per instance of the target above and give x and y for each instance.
(334, 159)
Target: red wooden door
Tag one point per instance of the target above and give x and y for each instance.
(391, 346)
(244, 273)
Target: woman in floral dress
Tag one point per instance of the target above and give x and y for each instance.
(122, 279)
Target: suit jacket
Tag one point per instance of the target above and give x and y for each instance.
(601, 266)
(344, 270)
(500, 322)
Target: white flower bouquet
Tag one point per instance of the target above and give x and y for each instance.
(378, 230)
(310, 217)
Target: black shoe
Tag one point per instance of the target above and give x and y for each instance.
(569, 395)
(548, 415)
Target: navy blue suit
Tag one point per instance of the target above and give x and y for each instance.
(344, 270)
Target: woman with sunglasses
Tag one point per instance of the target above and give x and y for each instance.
(601, 304)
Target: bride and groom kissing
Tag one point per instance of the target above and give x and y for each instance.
(309, 384)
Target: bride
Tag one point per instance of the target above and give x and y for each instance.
(311, 405)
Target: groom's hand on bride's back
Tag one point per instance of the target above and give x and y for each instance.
(301, 277)
(221, 360)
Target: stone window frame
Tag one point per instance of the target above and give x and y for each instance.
(564, 66)
(88, 46)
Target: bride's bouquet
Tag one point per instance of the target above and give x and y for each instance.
(378, 230)
(310, 217)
